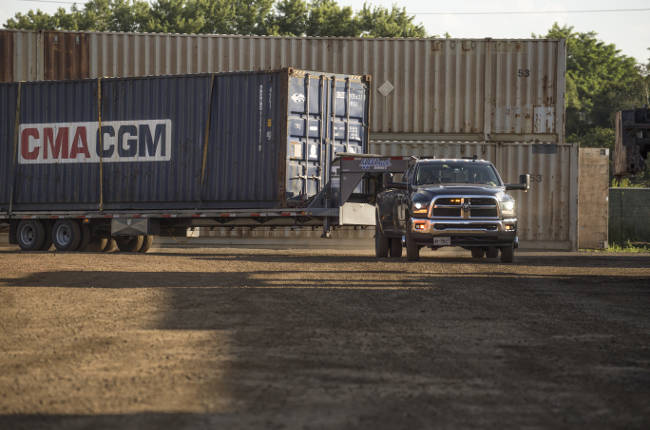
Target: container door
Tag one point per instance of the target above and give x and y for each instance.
(307, 95)
(347, 118)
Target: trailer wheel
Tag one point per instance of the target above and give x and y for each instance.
(30, 235)
(146, 243)
(66, 235)
(111, 245)
(478, 252)
(129, 243)
(508, 254)
(85, 237)
(381, 243)
(412, 248)
(47, 242)
(492, 252)
(396, 248)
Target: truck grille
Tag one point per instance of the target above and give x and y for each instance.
(464, 207)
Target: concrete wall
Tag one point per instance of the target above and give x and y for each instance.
(593, 190)
(629, 215)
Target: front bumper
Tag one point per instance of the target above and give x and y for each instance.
(465, 232)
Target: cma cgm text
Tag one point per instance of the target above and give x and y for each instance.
(81, 142)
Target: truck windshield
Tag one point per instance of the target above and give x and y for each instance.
(456, 173)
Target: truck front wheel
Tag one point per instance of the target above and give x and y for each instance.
(412, 248)
(381, 243)
(508, 254)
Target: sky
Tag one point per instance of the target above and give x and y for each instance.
(629, 30)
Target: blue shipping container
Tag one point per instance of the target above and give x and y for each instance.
(230, 140)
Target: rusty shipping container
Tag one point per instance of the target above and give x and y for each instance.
(230, 140)
(479, 90)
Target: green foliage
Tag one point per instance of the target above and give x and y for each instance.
(381, 22)
(599, 82)
(628, 246)
(271, 17)
(327, 18)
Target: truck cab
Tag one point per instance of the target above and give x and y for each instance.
(448, 202)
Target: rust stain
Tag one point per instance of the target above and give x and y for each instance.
(6, 56)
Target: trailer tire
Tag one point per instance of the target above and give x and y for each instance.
(492, 252)
(129, 243)
(66, 235)
(85, 237)
(412, 248)
(30, 235)
(381, 243)
(508, 254)
(146, 243)
(111, 245)
(47, 242)
(396, 247)
(478, 252)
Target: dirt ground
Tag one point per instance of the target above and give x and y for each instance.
(314, 338)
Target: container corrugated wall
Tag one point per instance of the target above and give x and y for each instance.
(466, 89)
(548, 211)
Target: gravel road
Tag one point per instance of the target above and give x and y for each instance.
(314, 338)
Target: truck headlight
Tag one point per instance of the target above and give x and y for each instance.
(507, 206)
(420, 208)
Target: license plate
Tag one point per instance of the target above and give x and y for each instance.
(441, 241)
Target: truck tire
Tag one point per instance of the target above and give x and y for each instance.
(66, 235)
(47, 242)
(146, 243)
(477, 252)
(30, 235)
(85, 237)
(412, 248)
(508, 254)
(381, 243)
(396, 248)
(492, 252)
(129, 243)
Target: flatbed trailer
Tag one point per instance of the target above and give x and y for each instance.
(347, 200)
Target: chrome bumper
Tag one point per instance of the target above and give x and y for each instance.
(475, 227)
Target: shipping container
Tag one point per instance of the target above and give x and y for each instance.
(231, 140)
(431, 89)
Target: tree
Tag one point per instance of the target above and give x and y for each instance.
(284, 17)
(599, 82)
(290, 18)
(327, 18)
(381, 22)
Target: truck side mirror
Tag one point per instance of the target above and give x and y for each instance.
(387, 179)
(524, 183)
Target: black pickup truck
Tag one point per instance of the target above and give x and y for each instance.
(448, 202)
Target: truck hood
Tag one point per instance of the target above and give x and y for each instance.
(477, 190)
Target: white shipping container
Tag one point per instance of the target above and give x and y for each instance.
(463, 89)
